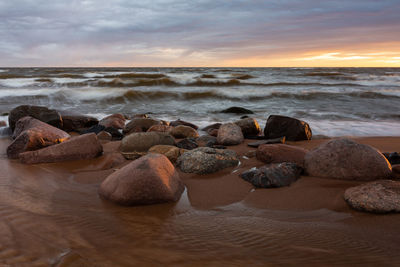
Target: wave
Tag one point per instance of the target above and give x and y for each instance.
(326, 95)
(137, 75)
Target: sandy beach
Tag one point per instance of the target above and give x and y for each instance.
(52, 215)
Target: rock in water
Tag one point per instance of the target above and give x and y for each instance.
(249, 126)
(185, 123)
(73, 121)
(171, 152)
(237, 110)
(32, 134)
(278, 153)
(49, 116)
(273, 175)
(182, 131)
(378, 197)
(294, 129)
(116, 121)
(347, 160)
(140, 125)
(205, 160)
(149, 180)
(229, 134)
(85, 146)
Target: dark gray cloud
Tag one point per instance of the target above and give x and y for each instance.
(176, 32)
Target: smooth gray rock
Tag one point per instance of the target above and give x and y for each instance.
(229, 134)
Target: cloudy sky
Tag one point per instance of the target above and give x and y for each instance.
(199, 33)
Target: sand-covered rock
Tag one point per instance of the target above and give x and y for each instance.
(182, 131)
(277, 153)
(229, 134)
(32, 134)
(273, 175)
(205, 160)
(149, 180)
(140, 125)
(44, 114)
(347, 160)
(377, 197)
(171, 152)
(249, 127)
(185, 123)
(293, 129)
(73, 121)
(85, 146)
(116, 121)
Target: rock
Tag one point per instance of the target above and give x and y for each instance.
(392, 157)
(139, 143)
(277, 153)
(237, 110)
(294, 129)
(249, 126)
(160, 128)
(183, 131)
(187, 143)
(273, 175)
(32, 134)
(94, 129)
(149, 180)
(396, 172)
(244, 117)
(378, 197)
(3, 124)
(116, 121)
(49, 116)
(205, 160)
(206, 140)
(139, 125)
(85, 146)
(185, 123)
(251, 154)
(213, 132)
(348, 160)
(256, 144)
(103, 135)
(212, 126)
(116, 135)
(73, 121)
(229, 134)
(171, 152)
(140, 116)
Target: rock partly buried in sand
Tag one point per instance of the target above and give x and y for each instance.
(392, 157)
(160, 128)
(280, 140)
(249, 126)
(294, 129)
(277, 153)
(171, 152)
(185, 123)
(85, 146)
(237, 110)
(205, 160)
(115, 133)
(73, 121)
(377, 197)
(49, 116)
(149, 180)
(187, 143)
(229, 134)
(140, 125)
(182, 131)
(32, 134)
(273, 175)
(347, 160)
(116, 121)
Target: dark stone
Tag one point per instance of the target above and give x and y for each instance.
(73, 121)
(244, 117)
(218, 146)
(49, 116)
(94, 129)
(185, 123)
(267, 141)
(187, 143)
(206, 140)
(115, 133)
(249, 127)
(212, 126)
(392, 157)
(237, 110)
(294, 129)
(139, 125)
(273, 175)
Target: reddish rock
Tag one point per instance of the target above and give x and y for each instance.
(185, 123)
(116, 121)
(293, 129)
(171, 152)
(229, 134)
(347, 160)
(212, 126)
(213, 132)
(32, 134)
(73, 121)
(249, 126)
(160, 128)
(140, 125)
(103, 135)
(182, 131)
(80, 147)
(3, 124)
(149, 180)
(43, 114)
(277, 153)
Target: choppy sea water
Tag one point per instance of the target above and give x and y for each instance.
(334, 101)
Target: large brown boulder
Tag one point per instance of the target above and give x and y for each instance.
(229, 134)
(182, 131)
(378, 197)
(49, 116)
(185, 123)
(277, 153)
(294, 129)
(32, 134)
(249, 126)
(148, 180)
(160, 128)
(347, 160)
(85, 146)
(140, 125)
(73, 121)
(116, 121)
(171, 152)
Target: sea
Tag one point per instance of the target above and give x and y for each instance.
(334, 101)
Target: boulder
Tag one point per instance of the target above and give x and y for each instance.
(378, 197)
(205, 160)
(280, 140)
(213, 132)
(206, 140)
(229, 134)
(185, 123)
(392, 157)
(73, 121)
(32, 134)
(103, 135)
(116, 121)
(294, 129)
(249, 126)
(347, 160)
(115, 133)
(3, 124)
(139, 125)
(278, 153)
(212, 126)
(160, 128)
(273, 175)
(171, 152)
(182, 131)
(187, 143)
(85, 146)
(149, 180)
(49, 116)
(237, 110)
(94, 129)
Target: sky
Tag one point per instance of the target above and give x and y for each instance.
(204, 33)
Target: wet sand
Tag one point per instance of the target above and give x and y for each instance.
(51, 215)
